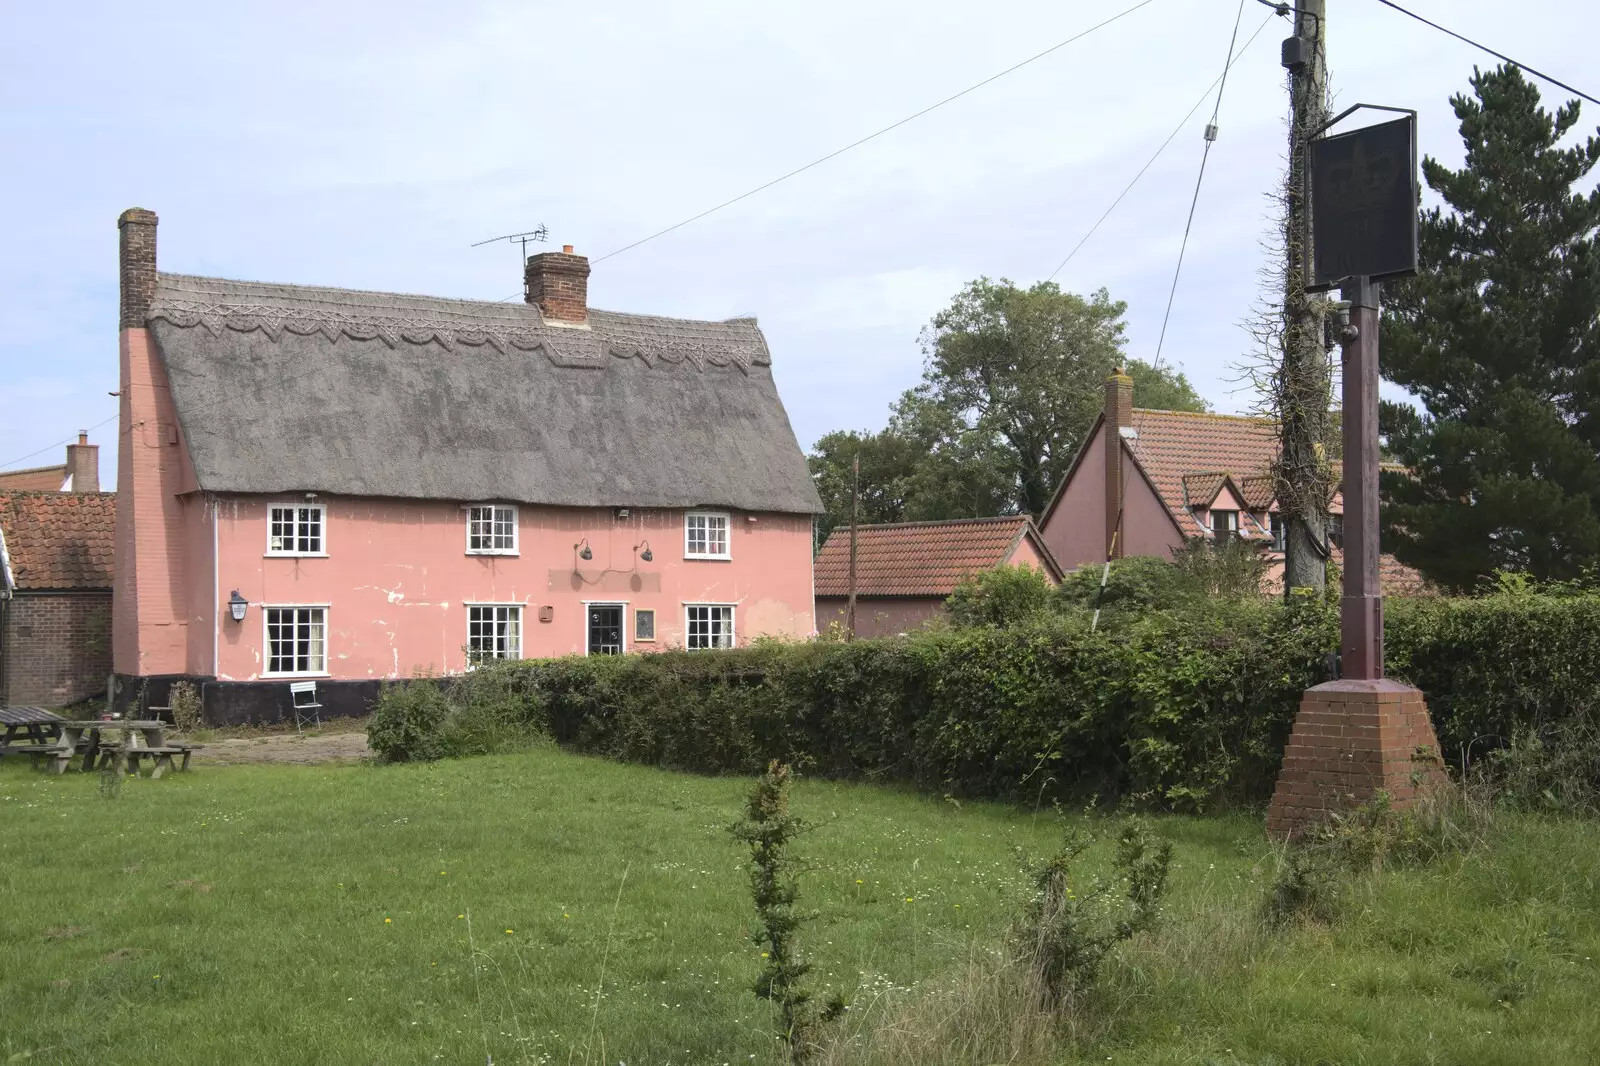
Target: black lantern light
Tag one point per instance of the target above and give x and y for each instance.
(236, 606)
(582, 548)
(645, 555)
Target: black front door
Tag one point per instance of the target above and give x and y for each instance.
(605, 629)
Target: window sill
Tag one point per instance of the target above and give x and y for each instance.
(294, 677)
(486, 551)
(644, 640)
(295, 555)
(708, 558)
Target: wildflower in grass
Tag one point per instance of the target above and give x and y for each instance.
(388, 921)
(460, 916)
(155, 977)
(566, 915)
(859, 881)
(441, 873)
(510, 931)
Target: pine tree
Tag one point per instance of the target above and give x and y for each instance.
(1498, 337)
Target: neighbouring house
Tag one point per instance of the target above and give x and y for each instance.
(326, 485)
(905, 571)
(80, 473)
(55, 594)
(1172, 476)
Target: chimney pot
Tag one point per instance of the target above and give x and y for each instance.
(83, 464)
(558, 284)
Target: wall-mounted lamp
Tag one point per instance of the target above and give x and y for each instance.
(582, 548)
(645, 555)
(236, 606)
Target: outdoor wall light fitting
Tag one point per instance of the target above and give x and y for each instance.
(645, 555)
(582, 548)
(236, 606)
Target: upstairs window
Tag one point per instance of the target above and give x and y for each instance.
(1280, 533)
(295, 529)
(1336, 530)
(296, 640)
(705, 535)
(491, 530)
(710, 625)
(494, 631)
(1225, 525)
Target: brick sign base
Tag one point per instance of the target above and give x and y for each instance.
(1351, 739)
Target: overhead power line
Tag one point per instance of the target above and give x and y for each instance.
(1157, 153)
(53, 447)
(1491, 51)
(1211, 138)
(874, 136)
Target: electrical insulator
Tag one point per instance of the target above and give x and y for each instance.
(1211, 131)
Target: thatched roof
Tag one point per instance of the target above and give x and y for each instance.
(283, 388)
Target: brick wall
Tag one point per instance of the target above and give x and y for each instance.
(56, 649)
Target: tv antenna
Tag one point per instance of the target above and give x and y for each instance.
(533, 236)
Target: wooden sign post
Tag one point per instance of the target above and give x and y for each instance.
(1361, 733)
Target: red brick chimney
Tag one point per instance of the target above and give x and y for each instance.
(1119, 416)
(137, 257)
(558, 284)
(83, 464)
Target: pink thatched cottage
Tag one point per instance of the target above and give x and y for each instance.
(343, 487)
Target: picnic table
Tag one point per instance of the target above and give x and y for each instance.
(28, 725)
(108, 740)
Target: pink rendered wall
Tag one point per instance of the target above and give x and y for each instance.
(1026, 554)
(1075, 530)
(880, 617)
(397, 580)
(150, 607)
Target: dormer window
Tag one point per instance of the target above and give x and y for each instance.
(1224, 525)
(705, 535)
(491, 529)
(296, 529)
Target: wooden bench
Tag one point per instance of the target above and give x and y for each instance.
(160, 757)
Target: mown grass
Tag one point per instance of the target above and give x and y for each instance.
(312, 914)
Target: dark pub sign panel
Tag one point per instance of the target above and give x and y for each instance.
(1364, 203)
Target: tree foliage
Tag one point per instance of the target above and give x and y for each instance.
(1012, 383)
(1498, 336)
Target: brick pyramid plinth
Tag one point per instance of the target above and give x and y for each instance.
(1351, 739)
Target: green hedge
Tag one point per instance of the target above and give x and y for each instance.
(1178, 709)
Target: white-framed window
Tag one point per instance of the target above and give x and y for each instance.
(297, 529)
(297, 640)
(644, 625)
(705, 535)
(710, 625)
(1225, 524)
(491, 529)
(494, 631)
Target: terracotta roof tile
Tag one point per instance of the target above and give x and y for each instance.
(915, 558)
(59, 540)
(34, 479)
(1175, 444)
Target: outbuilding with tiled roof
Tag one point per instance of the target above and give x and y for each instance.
(905, 571)
(56, 554)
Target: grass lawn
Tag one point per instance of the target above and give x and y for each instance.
(332, 914)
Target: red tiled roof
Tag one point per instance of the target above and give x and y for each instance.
(917, 558)
(34, 479)
(59, 540)
(1174, 444)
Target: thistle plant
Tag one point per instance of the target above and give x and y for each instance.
(769, 828)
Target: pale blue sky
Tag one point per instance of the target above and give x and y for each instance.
(368, 145)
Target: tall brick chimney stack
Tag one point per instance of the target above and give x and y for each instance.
(558, 284)
(1118, 416)
(83, 463)
(137, 256)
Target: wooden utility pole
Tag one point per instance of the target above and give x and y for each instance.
(1305, 382)
(855, 519)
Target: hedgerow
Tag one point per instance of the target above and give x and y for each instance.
(1181, 709)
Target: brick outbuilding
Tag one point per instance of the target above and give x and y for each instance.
(55, 595)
